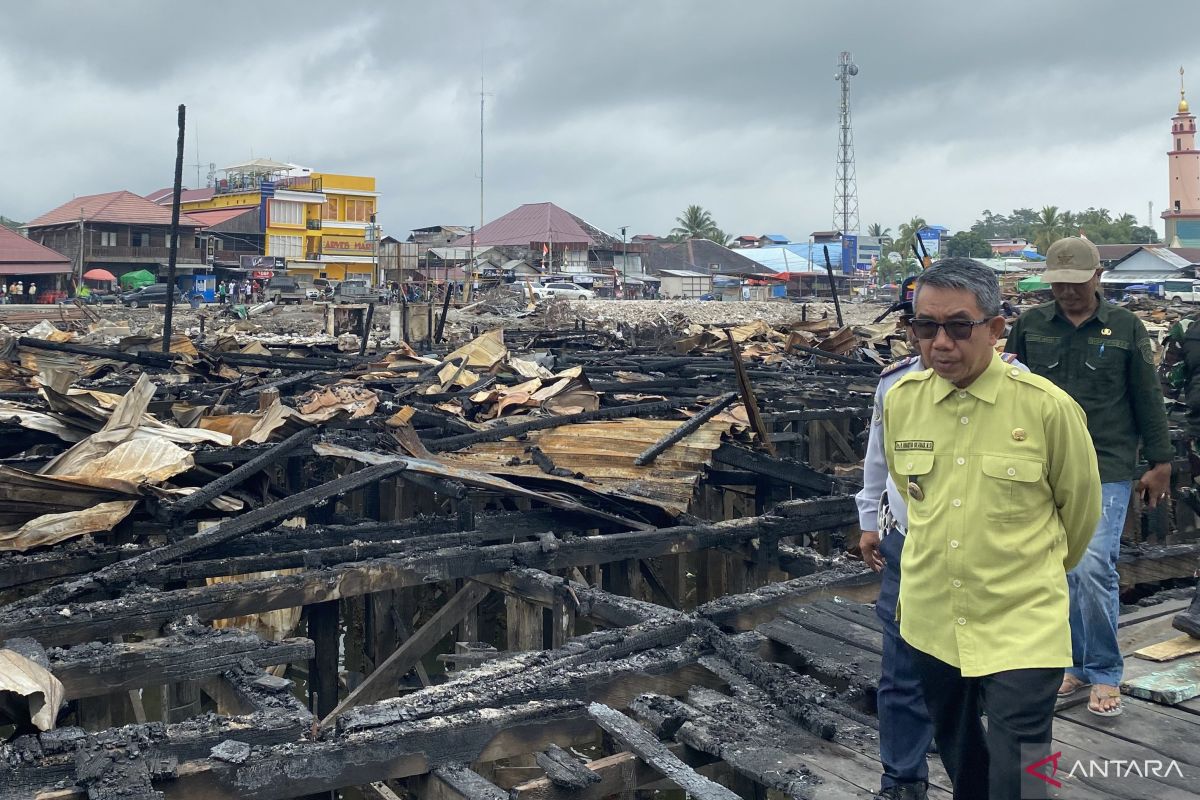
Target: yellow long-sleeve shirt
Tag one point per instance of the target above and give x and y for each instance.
(1003, 496)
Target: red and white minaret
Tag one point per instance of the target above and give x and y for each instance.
(1182, 216)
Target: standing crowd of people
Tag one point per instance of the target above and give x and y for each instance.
(237, 292)
(995, 491)
(18, 292)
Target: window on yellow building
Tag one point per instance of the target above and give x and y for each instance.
(286, 246)
(330, 211)
(284, 212)
(358, 210)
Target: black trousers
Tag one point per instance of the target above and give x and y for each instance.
(1019, 705)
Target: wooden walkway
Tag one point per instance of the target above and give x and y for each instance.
(1147, 737)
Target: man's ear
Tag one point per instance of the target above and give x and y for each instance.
(995, 327)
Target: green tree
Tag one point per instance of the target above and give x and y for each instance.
(907, 236)
(969, 244)
(1049, 227)
(695, 223)
(10, 223)
(879, 232)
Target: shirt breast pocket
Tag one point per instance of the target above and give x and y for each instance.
(1043, 356)
(1014, 488)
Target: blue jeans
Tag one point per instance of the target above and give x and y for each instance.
(905, 730)
(1095, 594)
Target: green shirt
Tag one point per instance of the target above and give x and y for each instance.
(1107, 365)
(1003, 497)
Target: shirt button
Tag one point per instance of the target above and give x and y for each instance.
(954, 543)
(962, 620)
(957, 583)
(964, 420)
(1015, 372)
(956, 502)
(909, 465)
(1012, 471)
(960, 461)
(962, 394)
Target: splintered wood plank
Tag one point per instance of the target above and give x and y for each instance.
(461, 782)
(837, 628)
(618, 773)
(1171, 649)
(827, 657)
(1170, 686)
(656, 754)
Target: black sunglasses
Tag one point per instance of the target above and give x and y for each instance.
(956, 329)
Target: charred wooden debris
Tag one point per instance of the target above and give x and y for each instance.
(555, 563)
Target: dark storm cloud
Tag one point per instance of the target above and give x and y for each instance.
(622, 112)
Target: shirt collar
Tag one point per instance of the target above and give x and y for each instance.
(1050, 311)
(986, 387)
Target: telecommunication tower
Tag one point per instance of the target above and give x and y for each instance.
(845, 193)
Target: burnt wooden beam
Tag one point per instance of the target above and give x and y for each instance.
(686, 429)
(749, 400)
(619, 774)
(460, 781)
(786, 470)
(381, 682)
(213, 489)
(499, 432)
(97, 669)
(144, 358)
(86, 621)
(323, 618)
(564, 769)
(124, 571)
(647, 747)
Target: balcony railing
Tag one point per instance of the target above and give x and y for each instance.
(125, 251)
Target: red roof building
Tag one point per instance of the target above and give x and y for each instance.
(121, 208)
(20, 256)
(119, 231)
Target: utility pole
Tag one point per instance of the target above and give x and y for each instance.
(845, 202)
(624, 264)
(470, 283)
(173, 248)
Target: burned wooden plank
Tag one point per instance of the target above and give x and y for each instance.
(612, 668)
(749, 400)
(619, 774)
(144, 358)
(564, 769)
(685, 429)
(743, 612)
(380, 683)
(781, 469)
(85, 621)
(214, 489)
(463, 782)
(656, 754)
(95, 669)
(125, 571)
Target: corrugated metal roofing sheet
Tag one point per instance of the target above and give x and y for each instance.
(122, 208)
(604, 452)
(16, 249)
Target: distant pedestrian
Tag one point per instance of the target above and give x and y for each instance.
(20, 293)
(220, 293)
(32, 292)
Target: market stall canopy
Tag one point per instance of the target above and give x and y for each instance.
(99, 275)
(137, 279)
(1033, 283)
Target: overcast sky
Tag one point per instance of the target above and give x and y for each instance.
(621, 112)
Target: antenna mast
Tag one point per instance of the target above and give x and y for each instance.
(481, 96)
(845, 197)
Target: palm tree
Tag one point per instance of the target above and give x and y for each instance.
(696, 223)
(717, 235)
(878, 231)
(907, 236)
(1048, 227)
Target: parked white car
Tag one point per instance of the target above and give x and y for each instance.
(568, 290)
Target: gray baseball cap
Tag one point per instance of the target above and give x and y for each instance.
(1071, 260)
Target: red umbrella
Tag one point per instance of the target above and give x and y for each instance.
(99, 275)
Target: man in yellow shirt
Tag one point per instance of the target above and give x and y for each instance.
(1003, 495)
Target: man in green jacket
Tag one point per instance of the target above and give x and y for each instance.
(1101, 355)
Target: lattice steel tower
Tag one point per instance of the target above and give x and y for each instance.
(845, 192)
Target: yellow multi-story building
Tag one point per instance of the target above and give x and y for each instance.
(319, 225)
